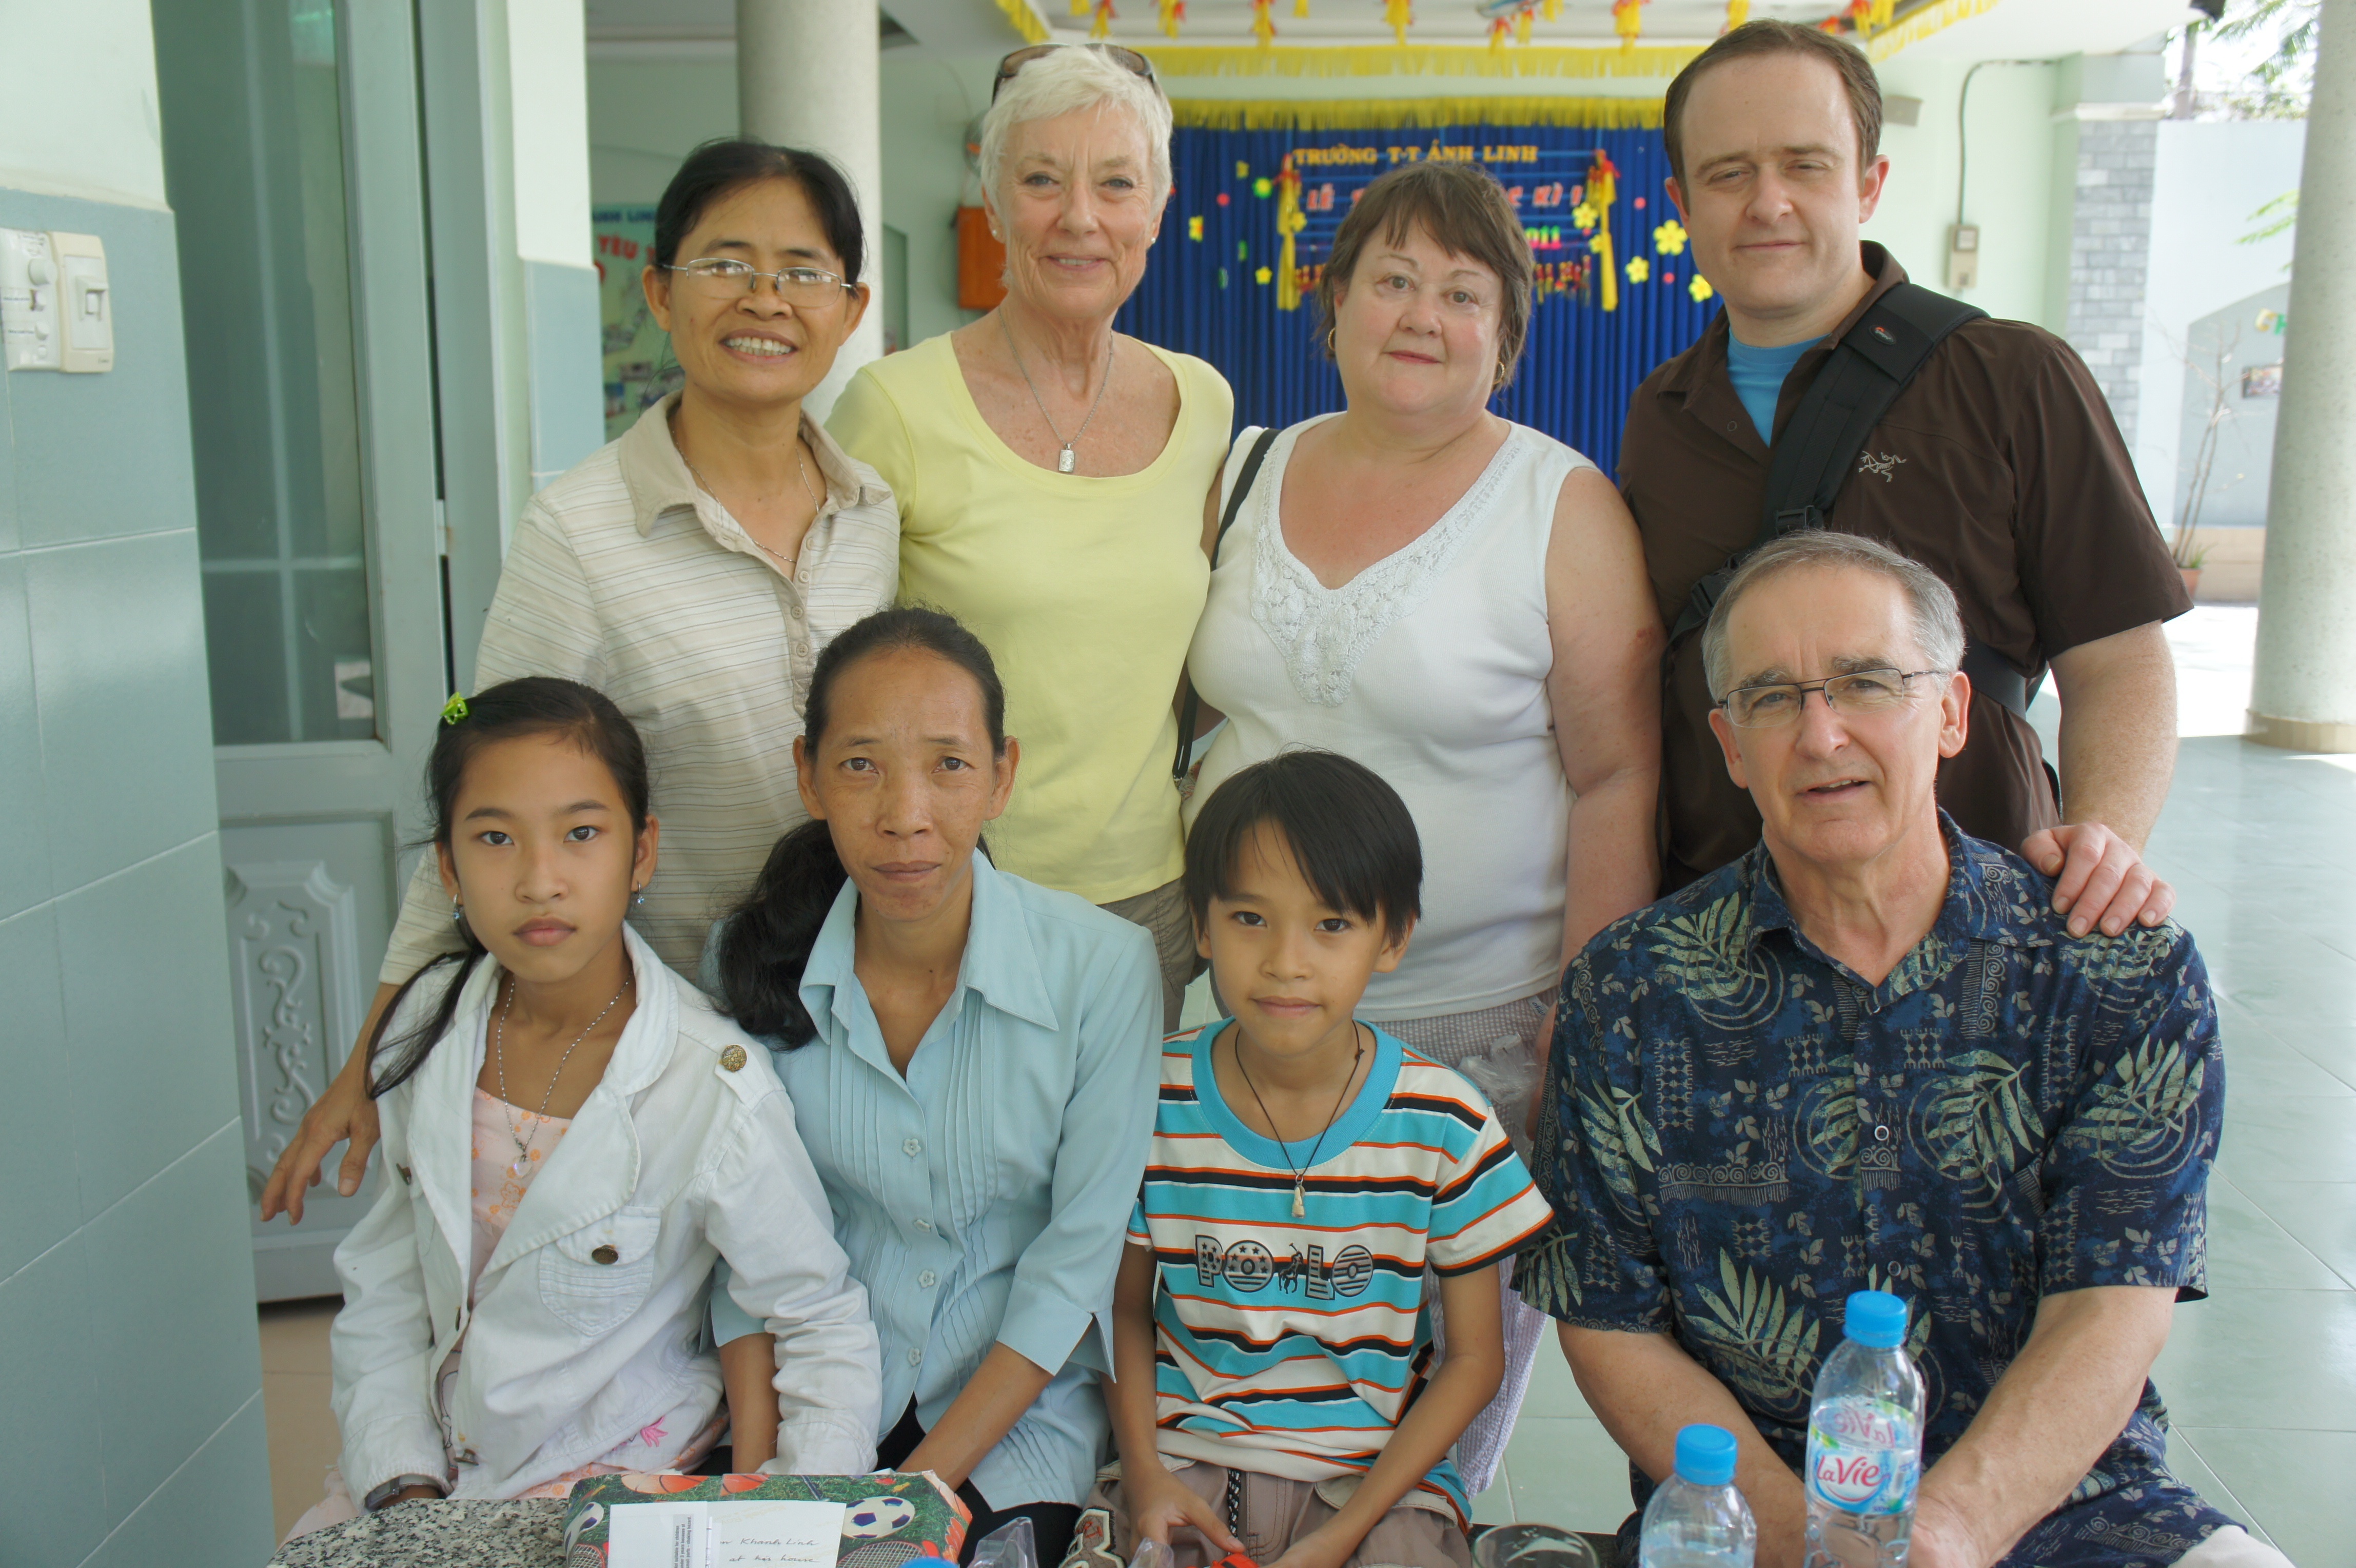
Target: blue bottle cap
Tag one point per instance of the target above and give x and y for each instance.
(1877, 1318)
(1705, 1455)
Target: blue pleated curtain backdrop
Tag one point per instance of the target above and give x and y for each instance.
(1211, 289)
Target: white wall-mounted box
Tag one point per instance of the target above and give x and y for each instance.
(57, 309)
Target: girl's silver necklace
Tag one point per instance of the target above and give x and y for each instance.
(499, 1054)
(1065, 460)
(1300, 1173)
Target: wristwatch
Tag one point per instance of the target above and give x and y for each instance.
(379, 1495)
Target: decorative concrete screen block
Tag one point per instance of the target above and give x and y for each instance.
(296, 980)
(2110, 255)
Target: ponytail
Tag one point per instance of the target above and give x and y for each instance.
(416, 1043)
(767, 944)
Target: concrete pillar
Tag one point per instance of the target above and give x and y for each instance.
(2302, 695)
(808, 74)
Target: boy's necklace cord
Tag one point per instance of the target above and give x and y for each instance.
(1300, 1173)
(499, 1054)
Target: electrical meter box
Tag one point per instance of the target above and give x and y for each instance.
(1964, 256)
(57, 309)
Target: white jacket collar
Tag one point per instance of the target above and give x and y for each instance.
(592, 1171)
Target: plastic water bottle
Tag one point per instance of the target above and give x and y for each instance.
(1697, 1518)
(1864, 1441)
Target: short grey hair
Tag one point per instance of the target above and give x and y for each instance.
(1938, 625)
(1076, 77)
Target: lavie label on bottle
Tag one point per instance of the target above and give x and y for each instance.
(1860, 1460)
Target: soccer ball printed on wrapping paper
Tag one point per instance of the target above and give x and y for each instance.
(879, 1515)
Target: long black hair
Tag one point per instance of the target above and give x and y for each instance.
(731, 163)
(534, 705)
(766, 942)
(1352, 836)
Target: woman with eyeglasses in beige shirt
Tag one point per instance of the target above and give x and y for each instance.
(691, 569)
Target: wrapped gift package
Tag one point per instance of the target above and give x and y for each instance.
(888, 1520)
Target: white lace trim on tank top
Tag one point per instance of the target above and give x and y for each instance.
(1324, 633)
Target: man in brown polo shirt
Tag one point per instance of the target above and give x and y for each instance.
(1998, 466)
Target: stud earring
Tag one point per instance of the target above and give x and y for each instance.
(457, 913)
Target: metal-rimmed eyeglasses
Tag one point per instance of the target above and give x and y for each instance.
(1777, 702)
(1129, 60)
(725, 277)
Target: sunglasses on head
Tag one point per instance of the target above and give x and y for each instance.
(1129, 60)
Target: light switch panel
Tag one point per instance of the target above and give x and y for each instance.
(57, 310)
(31, 324)
(85, 302)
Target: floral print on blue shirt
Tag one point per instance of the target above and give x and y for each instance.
(1738, 1132)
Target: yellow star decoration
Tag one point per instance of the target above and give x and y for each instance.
(1584, 215)
(1639, 269)
(1699, 288)
(1669, 239)
(1264, 275)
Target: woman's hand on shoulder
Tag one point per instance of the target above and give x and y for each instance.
(1159, 1502)
(344, 1112)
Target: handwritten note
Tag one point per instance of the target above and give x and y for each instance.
(744, 1534)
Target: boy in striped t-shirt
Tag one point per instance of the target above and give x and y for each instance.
(1276, 1390)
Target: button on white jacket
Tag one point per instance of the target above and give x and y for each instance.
(586, 1324)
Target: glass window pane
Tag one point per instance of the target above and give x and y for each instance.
(254, 160)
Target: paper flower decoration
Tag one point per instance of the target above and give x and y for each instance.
(1194, 228)
(1583, 215)
(1669, 239)
(1263, 188)
(1699, 288)
(1263, 276)
(1639, 269)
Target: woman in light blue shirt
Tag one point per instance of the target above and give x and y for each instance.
(972, 1060)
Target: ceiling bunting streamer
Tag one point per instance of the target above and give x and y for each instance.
(1262, 28)
(1628, 21)
(1400, 16)
(1737, 13)
(1300, 8)
(1173, 16)
(1102, 27)
(1264, 185)
(1024, 20)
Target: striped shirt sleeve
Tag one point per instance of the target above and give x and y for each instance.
(1487, 1204)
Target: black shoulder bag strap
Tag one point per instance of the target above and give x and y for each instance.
(1190, 710)
(1817, 449)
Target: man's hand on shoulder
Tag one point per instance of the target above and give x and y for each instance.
(2099, 879)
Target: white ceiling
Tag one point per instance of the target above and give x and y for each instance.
(2040, 29)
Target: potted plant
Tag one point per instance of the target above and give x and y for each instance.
(2185, 547)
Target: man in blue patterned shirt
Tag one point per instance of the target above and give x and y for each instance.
(1871, 1055)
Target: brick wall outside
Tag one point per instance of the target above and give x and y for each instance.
(2110, 252)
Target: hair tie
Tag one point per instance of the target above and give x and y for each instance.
(455, 709)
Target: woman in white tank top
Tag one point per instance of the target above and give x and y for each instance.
(1459, 603)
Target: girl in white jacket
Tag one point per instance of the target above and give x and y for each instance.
(572, 1135)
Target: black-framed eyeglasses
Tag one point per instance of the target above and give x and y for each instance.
(1777, 702)
(727, 277)
(1128, 59)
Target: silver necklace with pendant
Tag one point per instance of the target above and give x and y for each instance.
(1065, 460)
(1300, 1173)
(522, 1143)
(800, 472)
